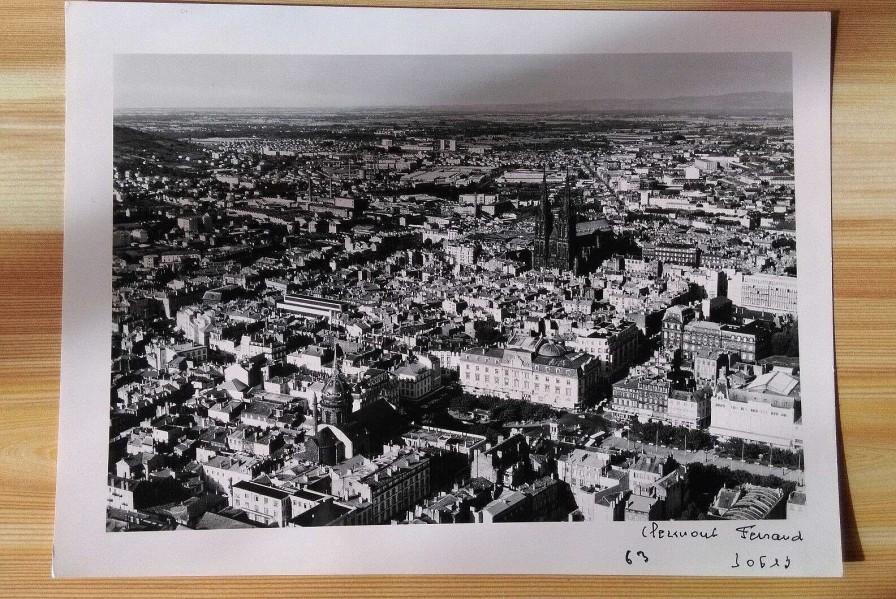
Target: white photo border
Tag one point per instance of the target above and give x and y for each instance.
(96, 31)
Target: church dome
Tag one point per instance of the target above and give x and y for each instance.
(551, 350)
(336, 389)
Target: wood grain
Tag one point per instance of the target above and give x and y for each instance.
(864, 179)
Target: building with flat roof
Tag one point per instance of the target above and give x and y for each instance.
(671, 253)
(311, 307)
(262, 503)
(420, 437)
(764, 292)
(765, 409)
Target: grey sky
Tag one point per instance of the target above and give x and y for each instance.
(261, 81)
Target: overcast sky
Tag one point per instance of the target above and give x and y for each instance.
(255, 81)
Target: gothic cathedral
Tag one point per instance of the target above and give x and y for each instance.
(555, 233)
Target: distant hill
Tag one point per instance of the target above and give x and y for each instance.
(741, 103)
(738, 104)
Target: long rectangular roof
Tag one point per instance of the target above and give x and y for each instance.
(261, 489)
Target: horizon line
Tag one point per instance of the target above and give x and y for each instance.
(559, 103)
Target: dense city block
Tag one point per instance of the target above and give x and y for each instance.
(419, 317)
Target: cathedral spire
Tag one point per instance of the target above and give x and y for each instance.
(335, 397)
(568, 198)
(543, 225)
(336, 370)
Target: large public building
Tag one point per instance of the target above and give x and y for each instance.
(533, 369)
(776, 294)
(766, 409)
(682, 330)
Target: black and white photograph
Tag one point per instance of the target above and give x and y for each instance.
(434, 288)
(359, 290)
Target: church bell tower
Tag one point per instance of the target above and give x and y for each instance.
(544, 224)
(336, 396)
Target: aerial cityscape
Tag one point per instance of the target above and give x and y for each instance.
(455, 314)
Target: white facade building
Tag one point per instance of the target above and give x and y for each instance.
(417, 380)
(765, 410)
(615, 346)
(531, 369)
(765, 292)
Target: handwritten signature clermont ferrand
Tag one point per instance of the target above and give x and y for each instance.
(749, 532)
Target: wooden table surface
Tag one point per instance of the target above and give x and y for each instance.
(864, 206)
